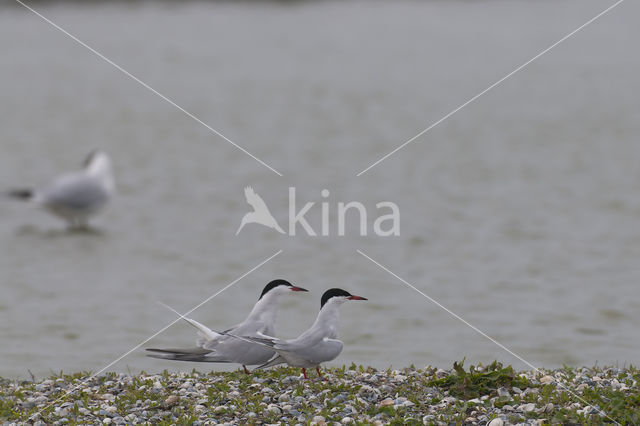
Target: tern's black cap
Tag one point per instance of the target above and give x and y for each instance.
(336, 292)
(273, 284)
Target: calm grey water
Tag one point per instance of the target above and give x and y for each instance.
(520, 213)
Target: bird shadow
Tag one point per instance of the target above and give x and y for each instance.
(85, 231)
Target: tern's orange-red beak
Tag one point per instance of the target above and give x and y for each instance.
(352, 297)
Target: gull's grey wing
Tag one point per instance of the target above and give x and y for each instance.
(75, 191)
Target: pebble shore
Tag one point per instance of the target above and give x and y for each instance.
(491, 395)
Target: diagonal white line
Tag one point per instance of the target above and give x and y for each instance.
(163, 329)
(145, 85)
(426, 296)
(449, 311)
(590, 21)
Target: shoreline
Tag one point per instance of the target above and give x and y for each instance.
(476, 395)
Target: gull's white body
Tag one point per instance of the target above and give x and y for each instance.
(76, 197)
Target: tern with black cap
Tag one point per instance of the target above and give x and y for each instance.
(215, 346)
(316, 345)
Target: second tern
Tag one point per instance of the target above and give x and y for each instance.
(316, 345)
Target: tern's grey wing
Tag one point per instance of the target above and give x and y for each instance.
(311, 348)
(188, 354)
(278, 359)
(238, 350)
(75, 191)
(308, 339)
(326, 350)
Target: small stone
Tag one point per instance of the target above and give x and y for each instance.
(547, 379)
(274, 409)
(496, 422)
(581, 387)
(171, 401)
(290, 379)
(107, 421)
(593, 411)
(440, 373)
(284, 397)
(527, 407)
(503, 392)
(29, 403)
(346, 420)
(548, 408)
(386, 401)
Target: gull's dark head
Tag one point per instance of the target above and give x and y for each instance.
(278, 287)
(89, 158)
(339, 294)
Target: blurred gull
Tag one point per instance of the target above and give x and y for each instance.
(77, 196)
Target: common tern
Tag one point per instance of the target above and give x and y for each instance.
(316, 345)
(213, 346)
(77, 196)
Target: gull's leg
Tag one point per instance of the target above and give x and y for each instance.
(304, 373)
(245, 369)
